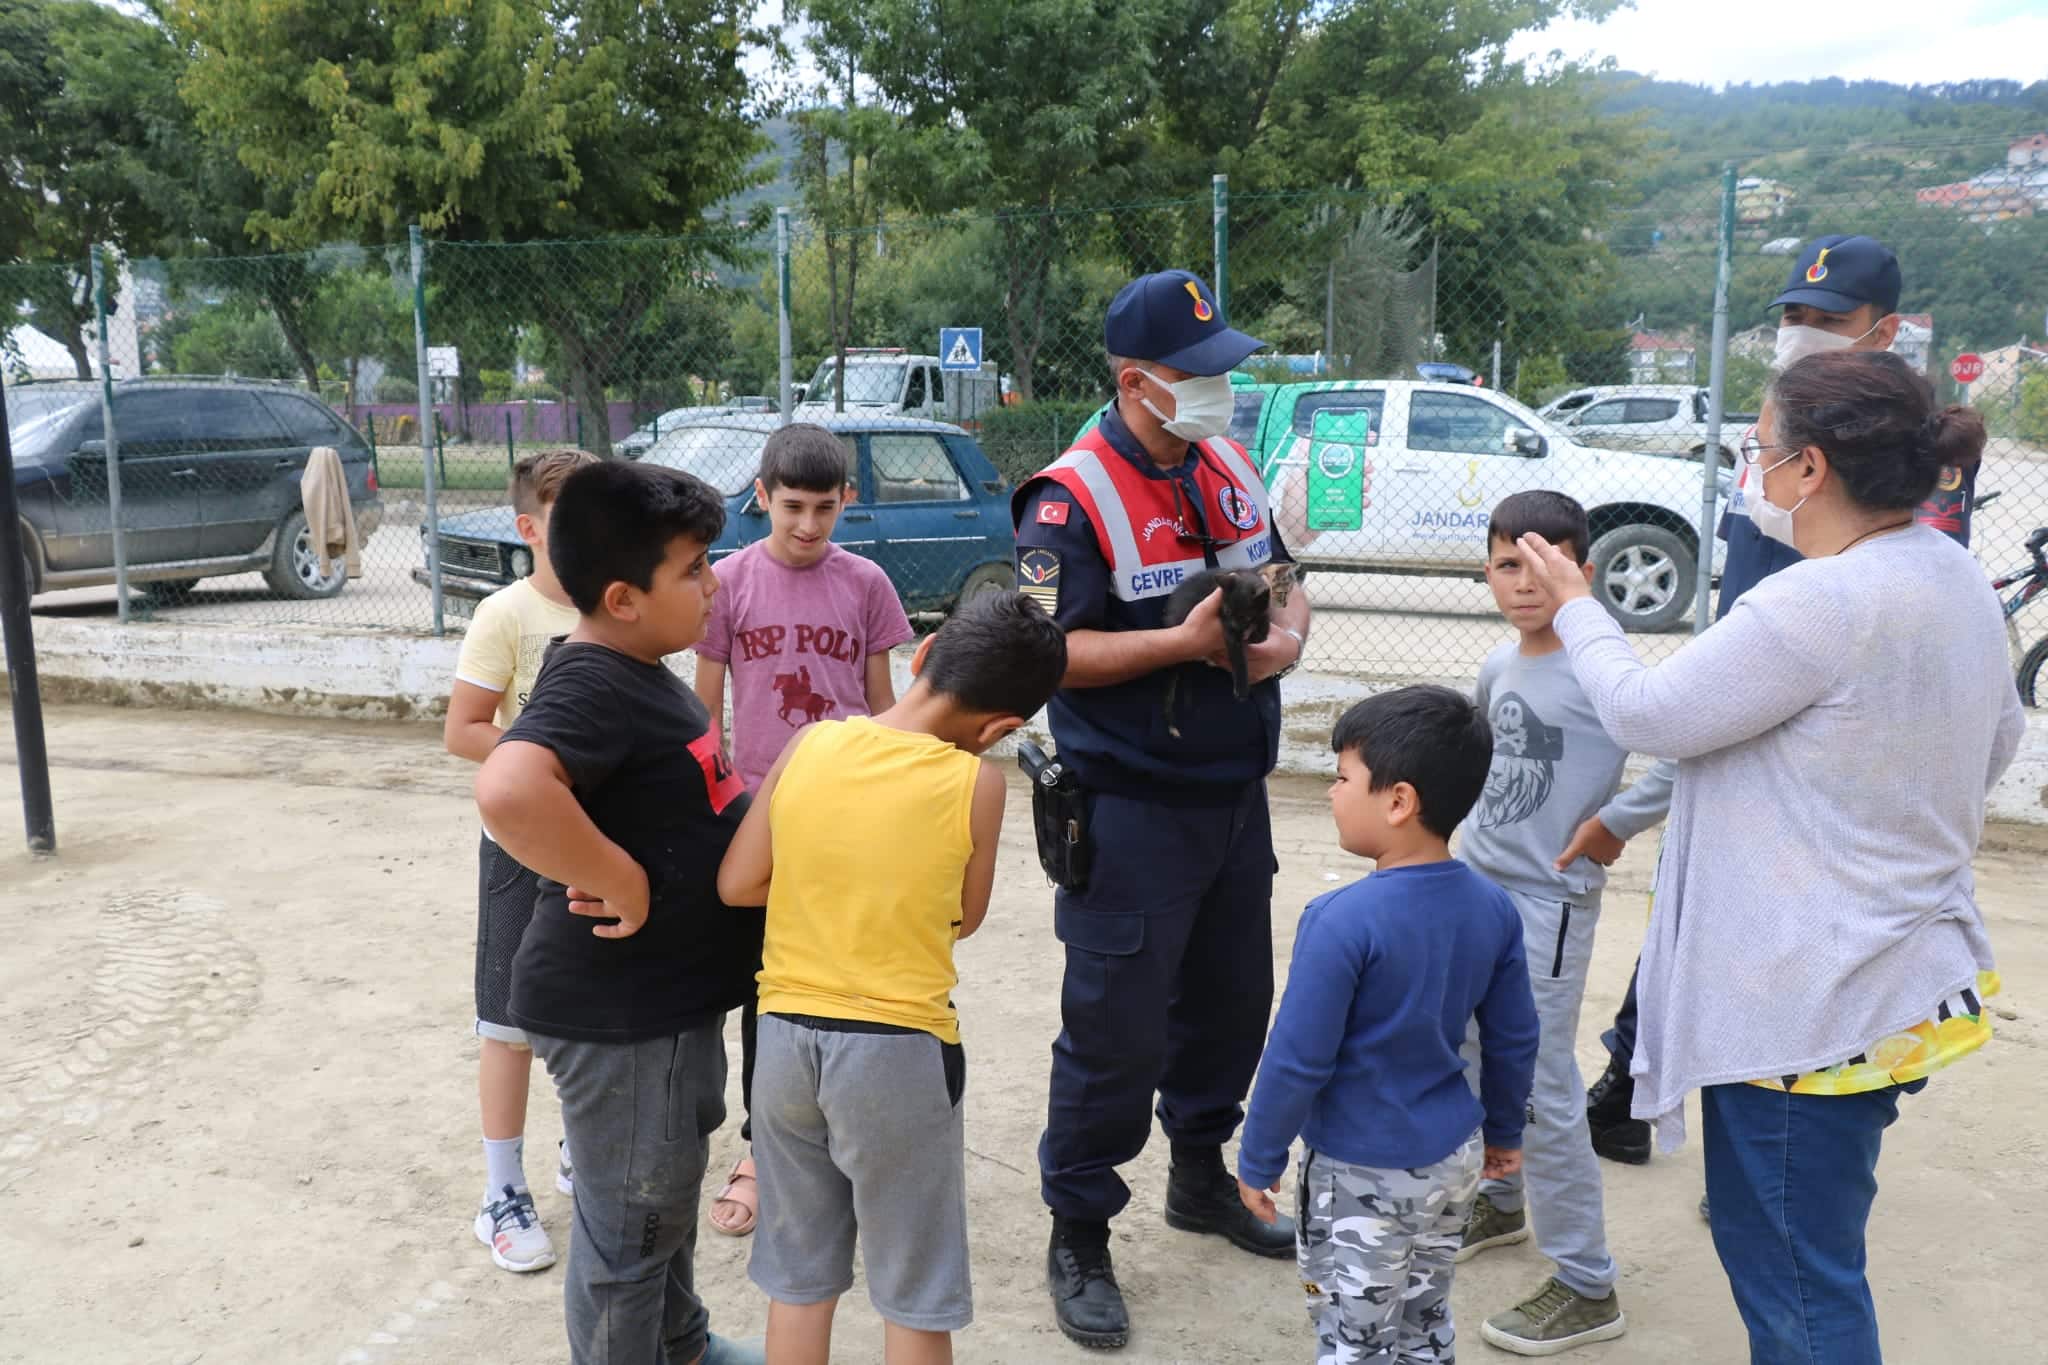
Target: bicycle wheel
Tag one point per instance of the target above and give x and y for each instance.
(2033, 686)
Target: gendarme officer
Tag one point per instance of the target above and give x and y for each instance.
(1169, 944)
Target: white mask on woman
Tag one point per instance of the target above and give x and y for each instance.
(1201, 406)
(1770, 519)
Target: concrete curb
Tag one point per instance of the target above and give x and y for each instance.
(384, 675)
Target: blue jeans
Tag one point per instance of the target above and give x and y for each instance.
(1790, 1181)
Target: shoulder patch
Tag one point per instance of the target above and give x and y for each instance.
(1052, 513)
(1038, 573)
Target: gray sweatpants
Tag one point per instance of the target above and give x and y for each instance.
(1559, 1168)
(639, 1117)
(1377, 1249)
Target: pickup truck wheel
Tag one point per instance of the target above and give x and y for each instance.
(295, 570)
(1644, 575)
(987, 579)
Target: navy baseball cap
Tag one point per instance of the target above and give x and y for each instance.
(1840, 274)
(1171, 318)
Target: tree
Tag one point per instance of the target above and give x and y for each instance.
(357, 315)
(481, 121)
(95, 132)
(1024, 109)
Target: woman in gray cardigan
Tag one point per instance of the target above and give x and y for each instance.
(1815, 950)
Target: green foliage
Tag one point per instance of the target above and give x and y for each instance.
(1743, 382)
(1540, 378)
(1024, 438)
(2031, 420)
(234, 338)
(398, 388)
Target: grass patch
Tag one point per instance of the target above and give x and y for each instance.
(469, 468)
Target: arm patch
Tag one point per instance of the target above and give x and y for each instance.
(1038, 569)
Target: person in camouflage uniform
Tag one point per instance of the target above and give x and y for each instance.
(1376, 1248)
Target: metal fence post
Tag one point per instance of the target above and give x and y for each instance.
(1717, 375)
(1219, 193)
(113, 439)
(430, 427)
(511, 451)
(787, 354)
(30, 752)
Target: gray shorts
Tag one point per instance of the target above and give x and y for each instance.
(861, 1130)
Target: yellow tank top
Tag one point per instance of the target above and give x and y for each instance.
(871, 828)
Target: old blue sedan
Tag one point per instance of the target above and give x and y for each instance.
(928, 507)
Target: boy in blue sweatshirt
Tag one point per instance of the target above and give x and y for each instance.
(1363, 1060)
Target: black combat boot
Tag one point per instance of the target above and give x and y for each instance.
(1201, 1196)
(1616, 1136)
(1085, 1299)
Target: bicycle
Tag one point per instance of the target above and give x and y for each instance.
(2028, 582)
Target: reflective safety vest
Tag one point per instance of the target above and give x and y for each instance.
(1149, 534)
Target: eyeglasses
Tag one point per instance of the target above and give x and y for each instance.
(1181, 532)
(1753, 449)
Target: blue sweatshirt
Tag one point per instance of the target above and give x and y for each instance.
(1363, 1060)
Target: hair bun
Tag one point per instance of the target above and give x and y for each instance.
(1954, 437)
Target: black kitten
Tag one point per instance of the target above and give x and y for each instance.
(1247, 598)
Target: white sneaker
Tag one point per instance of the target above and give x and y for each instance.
(511, 1229)
(565, 1174)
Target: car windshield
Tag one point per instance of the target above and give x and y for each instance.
(867, 381)
(32, 403)
(34, 440)
(727, 458)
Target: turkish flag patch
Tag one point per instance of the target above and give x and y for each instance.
(1052, 513)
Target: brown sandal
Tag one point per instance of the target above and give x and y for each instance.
(745, 1196)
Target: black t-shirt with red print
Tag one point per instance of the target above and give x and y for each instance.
(644, 762)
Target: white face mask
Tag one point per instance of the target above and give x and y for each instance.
(1201, 406)
(1798, 341)
(1770, 519)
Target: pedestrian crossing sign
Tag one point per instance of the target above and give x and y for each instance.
(959, 348)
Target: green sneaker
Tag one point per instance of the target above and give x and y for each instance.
(1492, 1227)
(1554, 1320)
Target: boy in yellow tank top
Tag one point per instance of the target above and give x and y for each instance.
(873, 844)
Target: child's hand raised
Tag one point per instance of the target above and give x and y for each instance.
(628, 905)
(1502, 1162)
(1562, 579)
(1259, 1202)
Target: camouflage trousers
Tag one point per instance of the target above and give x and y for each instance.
(1377, 1248)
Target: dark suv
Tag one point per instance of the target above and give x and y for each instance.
(209, 486)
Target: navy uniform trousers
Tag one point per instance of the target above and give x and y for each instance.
(1168, 985)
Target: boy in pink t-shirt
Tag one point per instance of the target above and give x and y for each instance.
(805, 629)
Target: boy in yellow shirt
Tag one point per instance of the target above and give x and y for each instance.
(501, 654)
(857, 977)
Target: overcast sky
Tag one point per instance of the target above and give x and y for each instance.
(1906, 41)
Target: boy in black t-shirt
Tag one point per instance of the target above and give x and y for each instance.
(612, 787)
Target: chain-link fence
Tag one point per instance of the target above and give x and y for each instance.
(1430, 350)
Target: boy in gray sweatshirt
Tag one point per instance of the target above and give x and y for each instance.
(1546, 827)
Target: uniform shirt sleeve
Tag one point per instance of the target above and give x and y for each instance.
(885, 625)
(490, 647)
(1059, 563)
(574, 711)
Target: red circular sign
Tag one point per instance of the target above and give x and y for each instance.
(1967, 368)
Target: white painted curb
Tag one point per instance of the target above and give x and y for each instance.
(378, 675)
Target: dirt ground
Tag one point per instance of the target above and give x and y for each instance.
(238, 1117)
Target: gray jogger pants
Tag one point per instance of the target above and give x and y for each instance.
(1559, 1168)
(1377, 1249)
(639, 1117)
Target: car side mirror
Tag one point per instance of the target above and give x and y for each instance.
(1523, 441)
(92, 449)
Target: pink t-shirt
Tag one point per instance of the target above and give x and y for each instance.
(796, 642)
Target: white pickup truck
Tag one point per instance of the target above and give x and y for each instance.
(1440, 456)
(887, 381)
